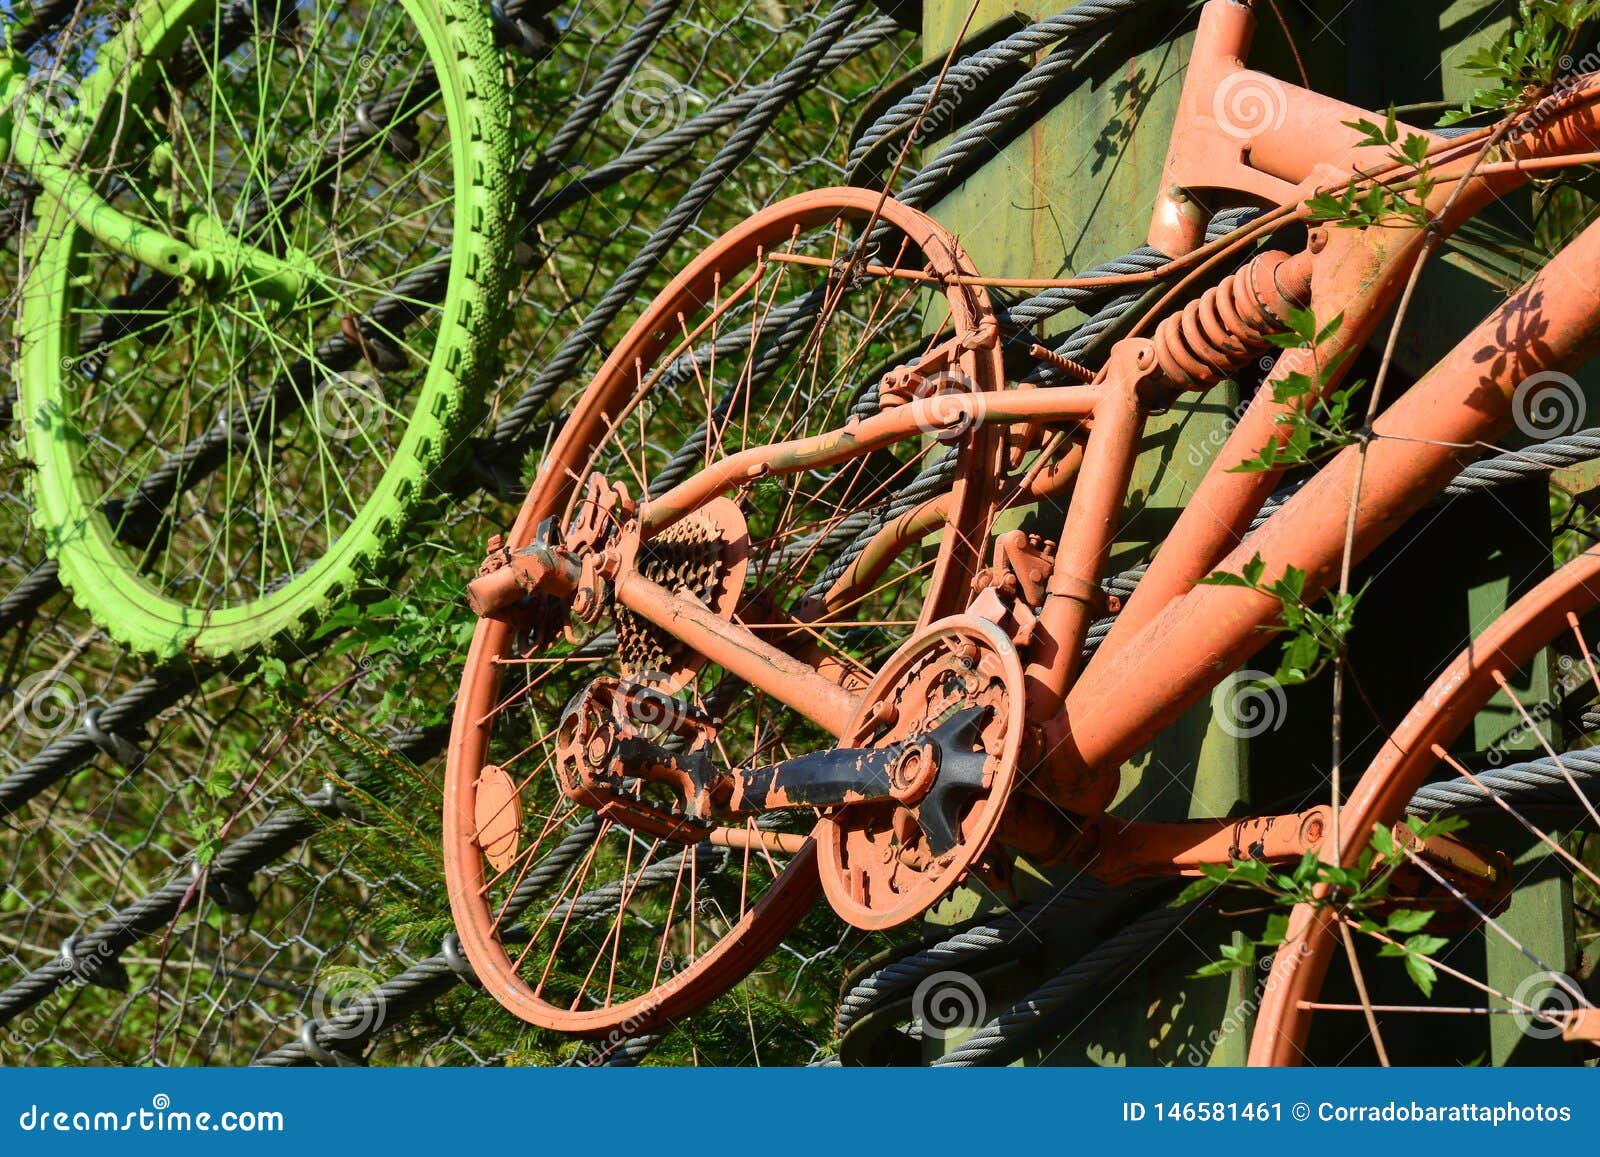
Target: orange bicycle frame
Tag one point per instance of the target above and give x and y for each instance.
(1174, 641)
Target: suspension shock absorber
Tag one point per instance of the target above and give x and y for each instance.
(1220, 331)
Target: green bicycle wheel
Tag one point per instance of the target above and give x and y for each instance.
(218, 460)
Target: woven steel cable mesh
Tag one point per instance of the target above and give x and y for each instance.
(108, 771)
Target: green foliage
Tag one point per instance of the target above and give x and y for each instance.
(1314, 636)
(207, 813)
(1528, 58)
(404, 642)
(1362, 204)
(1318, 426)
(1358, 894)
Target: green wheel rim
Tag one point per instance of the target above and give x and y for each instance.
(328, 461)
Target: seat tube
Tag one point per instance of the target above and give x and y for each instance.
(1072, 595)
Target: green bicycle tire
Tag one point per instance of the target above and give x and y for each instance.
(106, 577)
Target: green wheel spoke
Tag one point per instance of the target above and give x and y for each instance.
(268, 526)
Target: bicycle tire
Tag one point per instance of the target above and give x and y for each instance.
(110, 578)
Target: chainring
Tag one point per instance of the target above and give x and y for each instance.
(883, 864)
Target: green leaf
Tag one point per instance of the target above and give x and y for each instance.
(1293, 386)
(1425, 944)
(1371, 134)
(219, 781)
(1309, 869)
(1408, 920)
(1233, 958)
(1292, 585)
(1325, 207)
(1196, 890)
(1255, 872)
(1421, 973)
(1224, 579)
(1346, 878)
(1375, 203)
(1303, 324)
(1425, 829)
(1263, 462)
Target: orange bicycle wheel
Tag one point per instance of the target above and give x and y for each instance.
(1530, 685)
(781, 329)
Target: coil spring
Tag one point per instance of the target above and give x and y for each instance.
(1221, 330)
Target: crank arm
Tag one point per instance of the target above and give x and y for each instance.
(613, 764)
(818, 779)
(934, 774)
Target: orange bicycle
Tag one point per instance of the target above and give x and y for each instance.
(758, 632)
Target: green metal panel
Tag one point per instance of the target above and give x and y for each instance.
(1055, 201)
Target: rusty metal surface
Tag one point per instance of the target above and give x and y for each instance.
(884, 865)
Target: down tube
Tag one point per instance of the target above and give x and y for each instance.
(1115, 708)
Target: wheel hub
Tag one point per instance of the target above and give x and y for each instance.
(221, 260)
